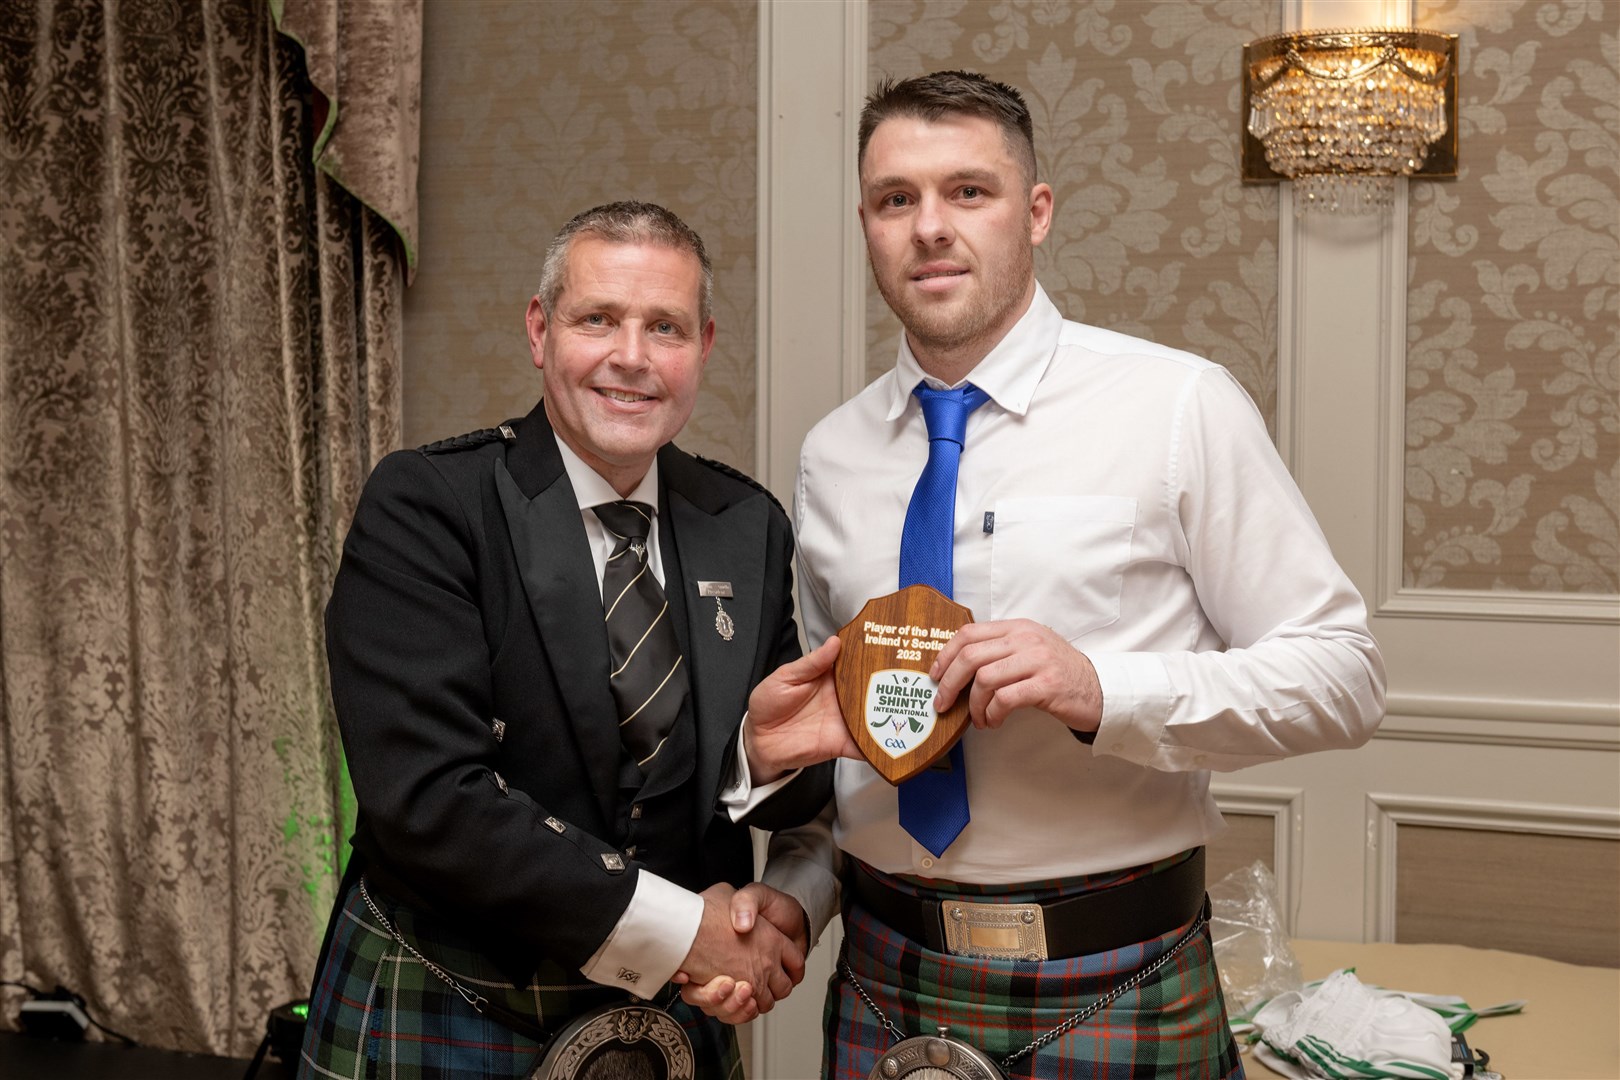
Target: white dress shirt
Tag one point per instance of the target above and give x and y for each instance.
(658, 927)
(1141, 512)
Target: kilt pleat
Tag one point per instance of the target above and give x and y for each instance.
(379, 1014)
(1171, 1025)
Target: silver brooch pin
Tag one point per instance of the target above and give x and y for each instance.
(723, 624)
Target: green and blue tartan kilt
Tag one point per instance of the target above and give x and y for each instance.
(1171, 1025)
(378, 1012)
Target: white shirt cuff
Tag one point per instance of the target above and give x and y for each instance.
(741, 797)
(1137, 696)
(651, 939)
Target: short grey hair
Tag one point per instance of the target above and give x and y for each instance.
(626, 222)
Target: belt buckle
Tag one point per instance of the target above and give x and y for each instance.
(994, 931)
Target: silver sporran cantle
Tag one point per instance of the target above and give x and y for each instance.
(632, 1041)
(934, 1057)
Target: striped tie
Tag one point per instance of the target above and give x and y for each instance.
(649, 680)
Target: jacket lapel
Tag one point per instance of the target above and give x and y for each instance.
(715, 541)
(554, 562)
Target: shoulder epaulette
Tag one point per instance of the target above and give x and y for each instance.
(469, 440)
(738, 474)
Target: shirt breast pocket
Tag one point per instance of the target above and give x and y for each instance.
(1060, 560)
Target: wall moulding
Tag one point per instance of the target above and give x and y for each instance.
(1495, 605)
(1387, 812)
(1286, 807)
(811, 257)
(812, 72)
(1553, 725)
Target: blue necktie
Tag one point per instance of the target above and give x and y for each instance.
(933, 804)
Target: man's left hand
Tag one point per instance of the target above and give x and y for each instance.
(1017, 664)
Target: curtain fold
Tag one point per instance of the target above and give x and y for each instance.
(199, 364)
(364, 59)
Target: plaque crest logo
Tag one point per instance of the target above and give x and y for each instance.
(900, 709)
(884, 691)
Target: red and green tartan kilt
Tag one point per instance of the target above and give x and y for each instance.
(377, 1012)
(1172, 1025)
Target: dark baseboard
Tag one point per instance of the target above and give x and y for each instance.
(25, 1058)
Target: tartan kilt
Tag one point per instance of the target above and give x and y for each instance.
(378, 1012)
(1171, 1025)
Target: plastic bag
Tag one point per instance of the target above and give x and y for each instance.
(1251, 945)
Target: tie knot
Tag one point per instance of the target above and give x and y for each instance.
(946, 411)
(625, 520)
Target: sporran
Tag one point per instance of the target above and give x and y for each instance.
(628, 1041)
(633, 1041)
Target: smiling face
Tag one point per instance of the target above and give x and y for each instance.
(622, 351)
(951, 225)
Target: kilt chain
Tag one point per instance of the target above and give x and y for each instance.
(1056, 1032)
(473, 998)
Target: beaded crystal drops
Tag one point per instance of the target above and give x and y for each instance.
(1343, 112)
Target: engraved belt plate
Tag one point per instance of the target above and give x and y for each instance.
(994, 931)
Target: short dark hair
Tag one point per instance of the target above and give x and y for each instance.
(953, 93)
(625, 222)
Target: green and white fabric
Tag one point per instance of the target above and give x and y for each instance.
(1340, 1028)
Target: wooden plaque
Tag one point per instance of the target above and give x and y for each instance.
(882, 680)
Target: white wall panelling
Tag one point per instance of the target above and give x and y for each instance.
(1387, 812)
(812, 326)
(812, 79)
(1286, 807)
(1487, 677)
(1549, 724)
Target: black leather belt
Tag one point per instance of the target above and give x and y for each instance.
(1112, 918)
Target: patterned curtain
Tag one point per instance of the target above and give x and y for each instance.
(199, 363)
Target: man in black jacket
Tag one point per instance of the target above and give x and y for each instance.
(538, 831)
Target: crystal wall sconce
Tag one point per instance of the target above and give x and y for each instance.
(1341, 113)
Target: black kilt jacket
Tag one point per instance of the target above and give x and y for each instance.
(469, 666)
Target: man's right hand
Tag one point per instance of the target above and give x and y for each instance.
(743, 963)
(726, 998)
(794, 719)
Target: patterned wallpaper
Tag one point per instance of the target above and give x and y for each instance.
(1513, 365)
(532, 112)
(1136, 128)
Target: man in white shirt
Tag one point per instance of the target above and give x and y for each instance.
(543, 637)
(1153, 601)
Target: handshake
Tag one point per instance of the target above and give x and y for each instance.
(750, 948)
(749, 952)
